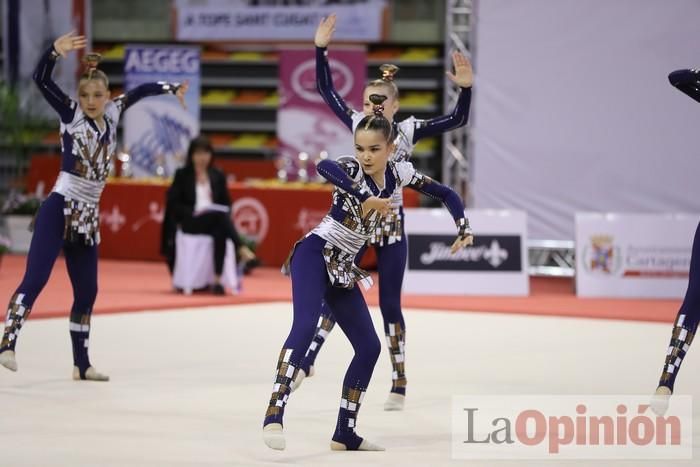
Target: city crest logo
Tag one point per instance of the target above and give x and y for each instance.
(602, 256)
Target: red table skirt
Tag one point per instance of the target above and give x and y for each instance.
(275, 215)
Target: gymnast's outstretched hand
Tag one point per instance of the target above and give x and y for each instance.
(324, 32)
(463, 75)
(461, 242)
(180, 93)
(381, 205)
(68, 42)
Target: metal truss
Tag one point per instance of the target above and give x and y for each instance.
(455, 143)
(551, 258)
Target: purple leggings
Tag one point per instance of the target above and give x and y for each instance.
(81, 262)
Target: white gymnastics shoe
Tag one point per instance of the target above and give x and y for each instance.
(274, 436)
(301, 374)
(364, 446)
(7, 359)
(91, 374)
(394, 402)
(660, 399)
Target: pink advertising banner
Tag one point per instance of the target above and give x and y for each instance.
(307, 128)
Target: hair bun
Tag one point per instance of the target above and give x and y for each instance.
(388, 71)
(91, 61)
(377, 100)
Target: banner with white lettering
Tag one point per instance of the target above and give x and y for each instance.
(306, 126)
(157, 130)
(211, 20)
(496, 264)
(633, 255)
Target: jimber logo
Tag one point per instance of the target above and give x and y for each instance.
(570, 427)
(489, 253)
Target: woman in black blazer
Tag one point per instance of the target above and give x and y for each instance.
(198, 202)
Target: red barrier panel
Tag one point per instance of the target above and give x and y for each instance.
(275, 215)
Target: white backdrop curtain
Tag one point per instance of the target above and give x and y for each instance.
(573, 110)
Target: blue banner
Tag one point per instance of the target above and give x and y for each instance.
(157, 130)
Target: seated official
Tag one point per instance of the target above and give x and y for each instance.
(198, 202)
